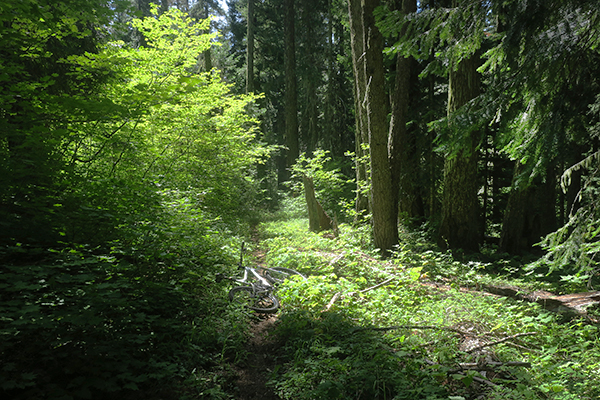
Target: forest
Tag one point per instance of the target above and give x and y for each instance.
(431, 168)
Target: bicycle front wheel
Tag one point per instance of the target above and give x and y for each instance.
(259, 302)
(280, 274)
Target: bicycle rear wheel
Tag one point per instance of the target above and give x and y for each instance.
(280, 274)
(259, 302)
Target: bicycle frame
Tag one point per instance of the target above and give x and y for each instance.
(256, 290)
(262, 282)
(262, 285)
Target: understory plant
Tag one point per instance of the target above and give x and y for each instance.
(417, 327)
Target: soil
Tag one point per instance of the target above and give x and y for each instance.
(262, 349)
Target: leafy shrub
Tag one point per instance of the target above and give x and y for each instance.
(81, 325)
(334, 360)
(329, 327)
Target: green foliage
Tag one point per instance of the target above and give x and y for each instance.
(331, 346)
(451, 33)
(40, 96)
(131, 121)
(79, 325)
(192, 134)
(123, 173)
(573, 249)
(331, 360)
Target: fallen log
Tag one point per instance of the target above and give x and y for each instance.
(568, 305)
(491, 365)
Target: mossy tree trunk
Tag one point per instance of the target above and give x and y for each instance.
(250, 48)
(402, 143)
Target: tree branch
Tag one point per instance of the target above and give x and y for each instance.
(501, 341)
(438, 328)
(339, 294)
(376, 286)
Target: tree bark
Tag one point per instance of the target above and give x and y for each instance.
(384, 211)
(402, 143)
(331, 117)
(183, 5)
(460, 227)
(361, 138)
(530, 213)
(318, 220)
(569, 305)
(200, 11)
(291, 96)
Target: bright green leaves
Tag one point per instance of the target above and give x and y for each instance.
(158, 121)
(330, 345)
(176, 37)
(94, 126)
(191, 118)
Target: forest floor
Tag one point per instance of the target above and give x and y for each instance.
(261, 349)
(456, 313)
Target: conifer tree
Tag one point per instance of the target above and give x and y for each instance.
(291, 94)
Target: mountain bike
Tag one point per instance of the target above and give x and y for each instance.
(257, 286)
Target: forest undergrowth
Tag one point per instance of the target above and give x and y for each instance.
(415, 326)
(152, 322)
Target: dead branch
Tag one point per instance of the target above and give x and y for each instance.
(501, 341)
(339, 294)
(438, 328)
(482, 380)
(490, 365)
(337, 258)
(333, 300)
(377, 286)
(518, 346)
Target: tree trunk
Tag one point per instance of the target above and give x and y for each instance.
(385, 213)
(312, 113)
(291, 96)
(250, 48)
(530, 213)
(318, 220)
(331, 118)
(164, 6)
(460, 227)
(402, 143)
(361, 138)
(183, 5)
(574, 305)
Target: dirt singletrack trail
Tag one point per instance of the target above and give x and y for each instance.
(262, 349)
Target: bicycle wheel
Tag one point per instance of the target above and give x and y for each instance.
(260, 302)
(280, 274)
